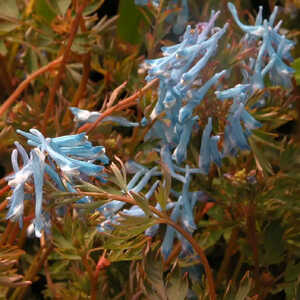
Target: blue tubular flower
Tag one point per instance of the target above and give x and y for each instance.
(168, 241)
(135, 178)
(186, 247)
(167, 160)
(67, 153)
(68, 165)
(257, 30)
(206, 28)
(194, 71)
(273, 50)
(209, 149)
(187, 216)
(110, 208)
(17, 182)
(84, 116)
(34, 166)
(149, 194)
(144, 181)
(249, 122)
(204, 158)
(197, 96)
(233, 92)
(234, 136)
(23, 153)
(38, 166)
(179, 153)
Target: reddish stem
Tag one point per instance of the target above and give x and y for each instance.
(130, 101)
(67, 51)
(22, 86)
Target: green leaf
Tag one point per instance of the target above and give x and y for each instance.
(273, 243)
(177, 287)
(81, 43)
(128, 22)
(32, 61)
(244, 288)
(142, 202)
(44, 10)
(154, 271)
(92, 7)
(261, 162)
(3, 49)
(7, 27)
(9, 8)
(296, 66)
(63, 5)
(120, 178)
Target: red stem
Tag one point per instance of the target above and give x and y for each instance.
(67, 51)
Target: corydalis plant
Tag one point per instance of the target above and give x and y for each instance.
(62, 160)
(174, 117)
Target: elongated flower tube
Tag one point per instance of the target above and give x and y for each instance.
(232, 92)
(187, 216)
(209, 149)
(33, 167)
(235, 137)
(63, 151)
(169, 237)
(83, 116)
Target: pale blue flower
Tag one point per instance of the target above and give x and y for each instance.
(61, 159)
(234, 136)
(168, 241)
(32, 167)
(179, 154)
(83, 116)
(62, 150)
(232, 92)
(209, 149)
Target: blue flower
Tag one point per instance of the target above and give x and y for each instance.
(234, 136)
(61, 159)
(233, 92)
(64, 152)
(209, 149)
(33, 166)
(83, 116)
(275, 48)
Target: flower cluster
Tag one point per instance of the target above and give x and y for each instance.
(62, 159)
(181, 91)
(174, 119)
(273, 51)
